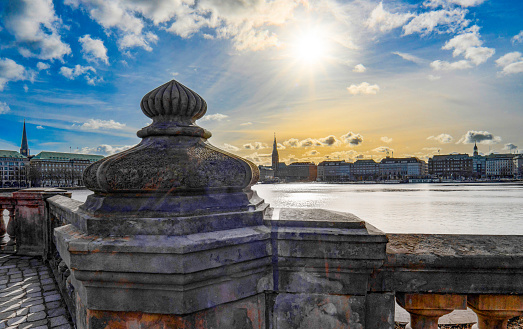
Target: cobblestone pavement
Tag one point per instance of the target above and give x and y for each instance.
(29, 297)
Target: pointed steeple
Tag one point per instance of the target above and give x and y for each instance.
(475, 149)
(24, 148)
(275, 156)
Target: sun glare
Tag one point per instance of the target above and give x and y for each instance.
(310, 47)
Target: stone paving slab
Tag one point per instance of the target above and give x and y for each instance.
(29, 297)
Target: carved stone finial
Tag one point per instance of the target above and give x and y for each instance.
(174, 160)
(174, 108)
(173, 101)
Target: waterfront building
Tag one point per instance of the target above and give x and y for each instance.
(365, 169)
(59, 169)
(478, 163)
(501, 165)
(266, 173)
(451, 166)
(12, 168)
(298, 172)
(518, 162)
(402, 168)
(334, 171)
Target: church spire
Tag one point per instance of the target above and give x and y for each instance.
(24, 148)
(275, 156)
(475, 149)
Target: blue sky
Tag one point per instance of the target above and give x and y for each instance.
(333, 79)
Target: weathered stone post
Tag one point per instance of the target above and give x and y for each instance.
(174, 237)
(28, 220)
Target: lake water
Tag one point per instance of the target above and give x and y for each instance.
(408, 208)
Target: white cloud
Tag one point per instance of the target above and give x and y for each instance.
(363, 88)
(4, 108)
(96, 124)
(138, 40)
(309, 142)
(26, 88)
(509, 58)
(103, 149)
(409, 57)
(442, 138)
(72, 73)
(359, 68)
(441, 21)
(518, 38)
(255, 146)
(447, 66)
(511, 63)
(245, 22)
(214, 117)
(42, 66)
(446, 3)
(35, 27)
(433, 77)
(469, 44)
(246, 124)
(78, 70)
(482, 137)
(386, 21)
(330, 140)
(259, 158)
(230, 148)
(352, 139)
(40, 127)
(291, 142)
(11, 71)
(93, 49)
(383, 149)
(386, 139)
(510, 147)
(311, 153)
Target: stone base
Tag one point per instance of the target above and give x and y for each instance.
(248, 313)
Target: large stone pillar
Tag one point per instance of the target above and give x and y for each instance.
(173, 236)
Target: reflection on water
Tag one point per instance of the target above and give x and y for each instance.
(412, 208)
(409, 208)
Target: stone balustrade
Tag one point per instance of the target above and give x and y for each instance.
(174, 237)
(7, 232)
(434, 274)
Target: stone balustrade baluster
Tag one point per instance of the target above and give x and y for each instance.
(426, 309)
(11, 227)
(494, 311)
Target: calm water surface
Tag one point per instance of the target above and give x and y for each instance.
(408, 208)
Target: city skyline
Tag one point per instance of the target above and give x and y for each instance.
(333, 79)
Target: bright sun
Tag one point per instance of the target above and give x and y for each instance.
(310, 47)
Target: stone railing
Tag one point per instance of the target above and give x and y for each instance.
(27, 231)
(174, 237)
(433, 275)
